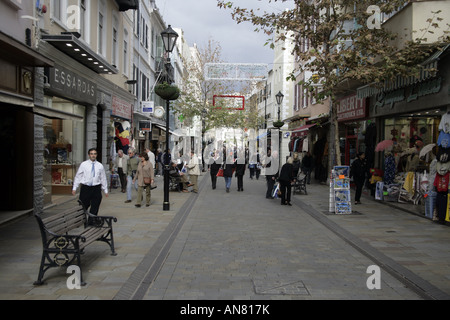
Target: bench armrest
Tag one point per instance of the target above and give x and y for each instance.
(99, 221)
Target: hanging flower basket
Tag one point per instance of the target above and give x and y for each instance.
(167, 91)
(278, 124)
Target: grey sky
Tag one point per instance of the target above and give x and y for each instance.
(202, 20)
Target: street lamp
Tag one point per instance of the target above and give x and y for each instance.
(279, 97)
(169, 38)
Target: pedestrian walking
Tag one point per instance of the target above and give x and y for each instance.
(132, 165)
(228, 167)
(240, 170)
(252, 163)
(194, 171)
(92, 178)
(287, 176)
(307, 166)
(214, 165)
(296, 163)
(145, 177)
(270, 173)
(159, 162)
(121, 163)
(151, 157)
(358, 172)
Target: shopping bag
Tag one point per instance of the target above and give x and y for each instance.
(276, 189)
(220, 173)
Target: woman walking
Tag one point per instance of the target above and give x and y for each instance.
(145, 177)
(228, 167)
(287, 176)
(240, 170)
(214, 166)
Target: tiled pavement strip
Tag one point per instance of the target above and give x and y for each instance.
(240, 245)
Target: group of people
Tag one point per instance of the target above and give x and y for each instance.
(138, 172)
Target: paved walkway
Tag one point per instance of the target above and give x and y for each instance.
(239, 245)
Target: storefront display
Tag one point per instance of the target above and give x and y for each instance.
(63, 147)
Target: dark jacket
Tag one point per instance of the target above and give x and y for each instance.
(287, 173)
(307, 162)
(358, 170)
(240, 168)
(214, 166)
(228, 170)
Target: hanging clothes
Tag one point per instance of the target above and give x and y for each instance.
(444, 125)
(389, 173)
(441, 182)
(409, 183)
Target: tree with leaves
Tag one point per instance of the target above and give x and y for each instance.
(343, 50)
(197, 94)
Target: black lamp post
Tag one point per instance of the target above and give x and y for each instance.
(279, 96)
(169, 38)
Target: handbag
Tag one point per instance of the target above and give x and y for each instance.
(147, 181)
(220, 172)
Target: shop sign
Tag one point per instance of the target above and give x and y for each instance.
(121, 108)
(351, 108)
(148, 106)
(411, 93)
(71, 85)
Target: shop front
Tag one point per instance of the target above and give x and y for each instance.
(411, 137)
(67, 96)
(352, 119)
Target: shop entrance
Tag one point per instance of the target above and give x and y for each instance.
(16, 189)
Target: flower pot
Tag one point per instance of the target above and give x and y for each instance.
(167, 92)
(278, 124)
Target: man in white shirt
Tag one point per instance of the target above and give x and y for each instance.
(92, 177)
(151, 157)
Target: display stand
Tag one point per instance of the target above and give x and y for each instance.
(341, 190)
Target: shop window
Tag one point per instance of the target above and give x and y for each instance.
(410, 133)
(63, 148)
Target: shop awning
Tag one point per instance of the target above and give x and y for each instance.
(68, 43)
(302, 131)
(21, 54)
(164, 128)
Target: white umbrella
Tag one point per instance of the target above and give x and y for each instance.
(426, 149)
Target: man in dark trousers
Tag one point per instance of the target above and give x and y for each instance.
(270, 171)
(358, 172)
(92, 178)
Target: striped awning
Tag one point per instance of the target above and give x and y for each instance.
(429, 70)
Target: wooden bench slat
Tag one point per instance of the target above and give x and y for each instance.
(56, 216)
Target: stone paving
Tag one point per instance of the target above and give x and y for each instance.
(236, 245)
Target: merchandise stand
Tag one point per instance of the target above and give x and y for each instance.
(341, 190)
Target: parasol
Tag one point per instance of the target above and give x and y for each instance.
(383, 145)
(426, 149)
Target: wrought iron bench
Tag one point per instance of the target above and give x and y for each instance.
(300, 183)
(67, 233)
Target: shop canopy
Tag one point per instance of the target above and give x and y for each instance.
(302, 131)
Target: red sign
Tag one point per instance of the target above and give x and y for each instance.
(350, 108)
(121, 108)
